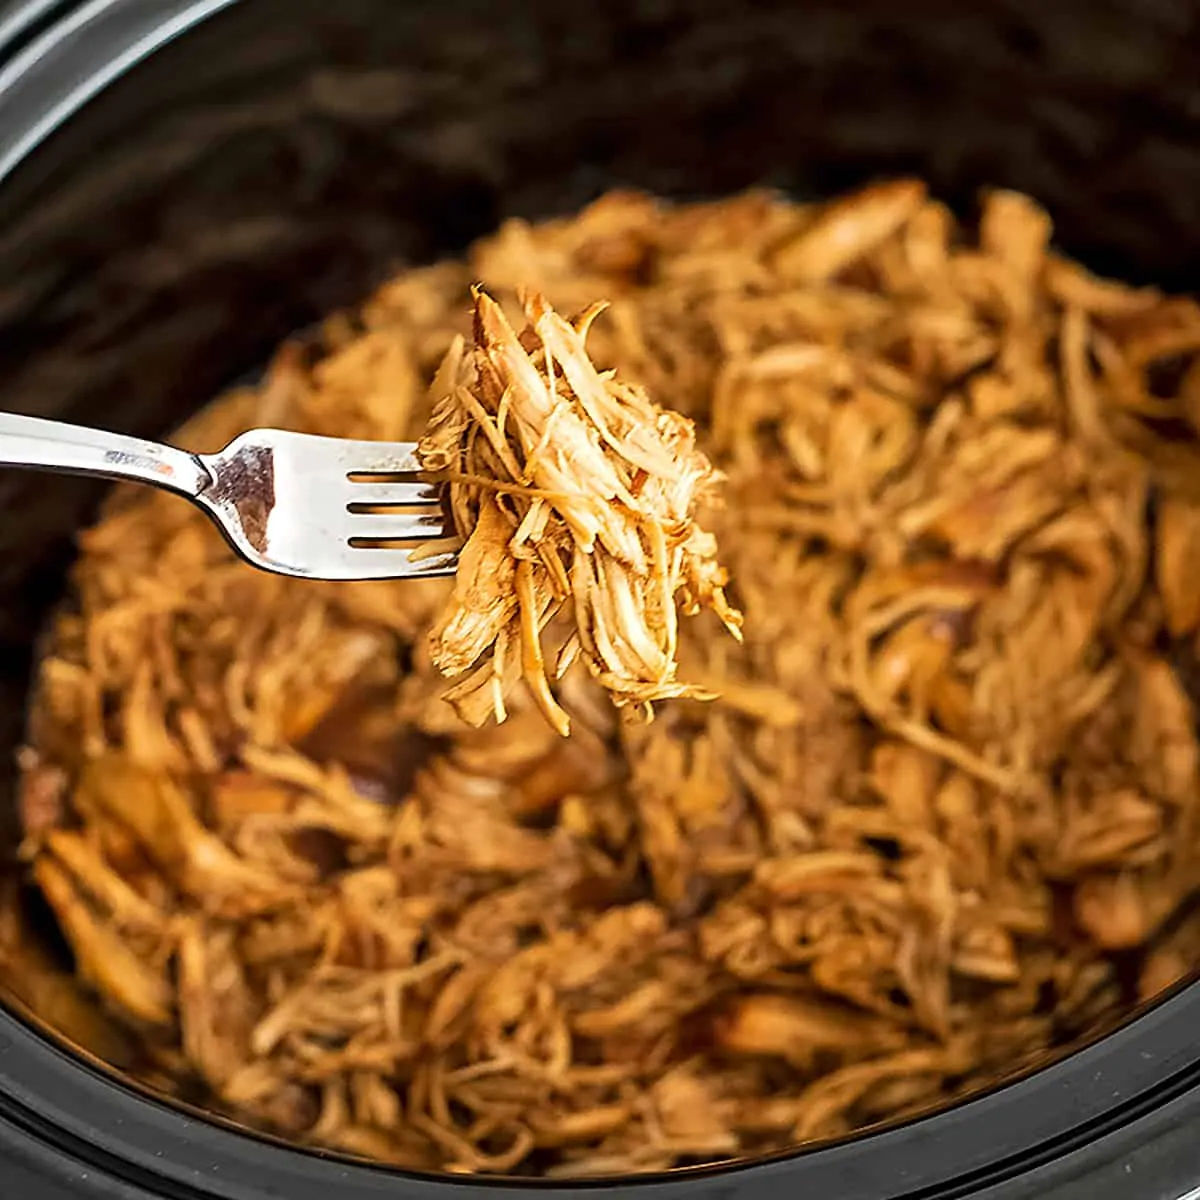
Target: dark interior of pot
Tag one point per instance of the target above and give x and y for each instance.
(278, 160)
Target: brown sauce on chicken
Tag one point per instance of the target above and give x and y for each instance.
(934, 816)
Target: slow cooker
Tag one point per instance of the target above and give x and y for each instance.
(184, 182)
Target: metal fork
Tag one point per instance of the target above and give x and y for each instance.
(293, 503)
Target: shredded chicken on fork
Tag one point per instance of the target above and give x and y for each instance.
(939, 819)
(572, 490)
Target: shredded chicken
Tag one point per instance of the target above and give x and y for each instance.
(939, 819)
(568, 486)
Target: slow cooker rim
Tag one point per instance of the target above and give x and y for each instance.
(1134, 1074)
(88, 47)
(50, 1092)
(20, 18)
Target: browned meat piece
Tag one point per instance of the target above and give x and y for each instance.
(576, 496)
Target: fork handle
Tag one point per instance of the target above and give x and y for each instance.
(55, 446)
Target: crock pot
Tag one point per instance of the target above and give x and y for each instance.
(183, 182)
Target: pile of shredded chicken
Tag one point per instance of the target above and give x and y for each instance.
(569, 487)
(940, 819)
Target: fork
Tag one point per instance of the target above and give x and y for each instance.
(293, 503)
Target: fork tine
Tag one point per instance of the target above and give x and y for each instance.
(287, 503)
(417, 492)
(395, 525)
(378, 458)
(369, 563)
